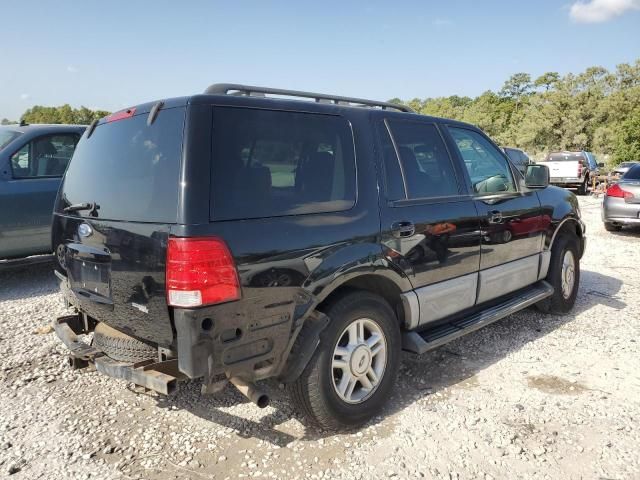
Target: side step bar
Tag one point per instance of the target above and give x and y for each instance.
(425, 340)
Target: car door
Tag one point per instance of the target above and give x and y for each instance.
(510, 216)
(430, 227)
(28, 195)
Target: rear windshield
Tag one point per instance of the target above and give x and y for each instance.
(273, 163)
(130, 170)
(565, 157)
(633, 173)
(7, 136)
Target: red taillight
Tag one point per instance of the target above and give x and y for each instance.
(200, 271)
(121, 115)
(616, 191)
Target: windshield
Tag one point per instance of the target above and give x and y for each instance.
(7, 136)
(129, 169)
(626, 164)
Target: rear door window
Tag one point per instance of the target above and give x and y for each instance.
(275, 163)
(131, 170)
(45, 156)
(426, 168)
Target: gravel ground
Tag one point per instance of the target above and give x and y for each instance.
(532, 396)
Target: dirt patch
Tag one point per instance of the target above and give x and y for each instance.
(555, 385)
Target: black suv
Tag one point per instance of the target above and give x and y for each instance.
(240, 235)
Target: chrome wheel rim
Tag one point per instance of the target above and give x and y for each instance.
(568, 274)
(359, 360)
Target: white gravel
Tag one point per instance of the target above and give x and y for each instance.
(532, 396)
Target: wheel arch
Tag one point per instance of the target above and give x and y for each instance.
(569, 225)
(380, 285)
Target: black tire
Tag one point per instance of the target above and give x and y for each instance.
(121, 347)
(559, 303)
(582, 189)
(610, 227)
(314, 393)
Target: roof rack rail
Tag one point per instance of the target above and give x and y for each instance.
(248, 90)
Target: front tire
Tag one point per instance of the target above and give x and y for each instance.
(610, 227)
(350, 376)
(564, 276)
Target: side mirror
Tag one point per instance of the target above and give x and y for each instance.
(536, 176)
(601, 165)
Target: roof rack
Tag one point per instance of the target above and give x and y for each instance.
(249, 90)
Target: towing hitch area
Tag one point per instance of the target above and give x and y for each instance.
(161, 377)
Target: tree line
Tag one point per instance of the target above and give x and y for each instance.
(596, 110)
(62, 114)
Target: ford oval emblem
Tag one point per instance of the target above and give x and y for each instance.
(85, 230)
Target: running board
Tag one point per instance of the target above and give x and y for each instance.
(425, 340)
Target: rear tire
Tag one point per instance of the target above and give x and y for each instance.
(123, 348)
(610, 227)
(563, 275)
(352, 372)
(582, 189)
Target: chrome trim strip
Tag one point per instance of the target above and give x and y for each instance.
(411, 308)
(446, 298)
(497, 281)
(545, 260)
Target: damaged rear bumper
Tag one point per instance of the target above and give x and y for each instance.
(161, 377)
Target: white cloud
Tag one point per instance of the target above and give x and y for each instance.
(25, 96)
(72, 69)
(442, 22)
(594, 11)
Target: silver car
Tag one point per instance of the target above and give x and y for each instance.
(621, 204)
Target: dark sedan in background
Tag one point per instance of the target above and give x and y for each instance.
(621, 204)
(623, 168)
(518, 157)
(33, 159)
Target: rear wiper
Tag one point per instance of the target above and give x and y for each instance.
(93, 208)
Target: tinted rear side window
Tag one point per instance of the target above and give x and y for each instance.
(131, 170)
(633, 173)
(426, 165)
(273, 163)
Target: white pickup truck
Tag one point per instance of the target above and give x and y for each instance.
(569, 170)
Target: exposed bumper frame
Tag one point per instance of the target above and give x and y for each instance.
(161, 377)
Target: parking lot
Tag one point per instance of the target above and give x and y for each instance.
(532, 396)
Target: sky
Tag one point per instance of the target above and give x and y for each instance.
(115, 54)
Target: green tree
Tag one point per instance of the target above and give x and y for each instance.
(547, 80)
(516, 87)
(62, 114)
(628, 141)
